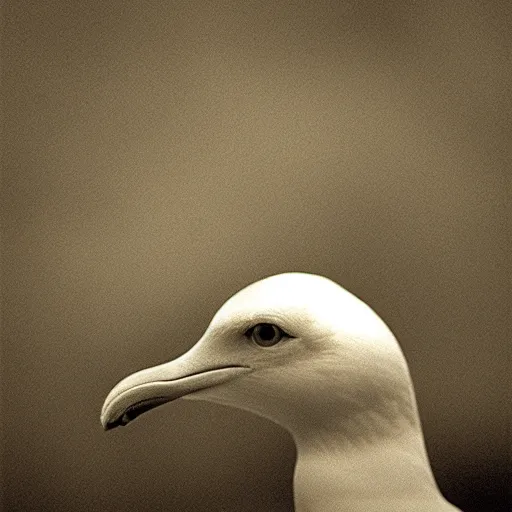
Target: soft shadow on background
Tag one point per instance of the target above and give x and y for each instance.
(161, 155)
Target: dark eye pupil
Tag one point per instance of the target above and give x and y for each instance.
(265, 335)
(267, 332)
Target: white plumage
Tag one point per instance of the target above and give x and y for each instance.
(304, 352)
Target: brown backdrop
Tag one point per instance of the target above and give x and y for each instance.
(161, 155)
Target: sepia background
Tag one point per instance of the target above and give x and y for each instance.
(159, 156)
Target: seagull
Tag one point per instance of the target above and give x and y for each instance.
(302, 351)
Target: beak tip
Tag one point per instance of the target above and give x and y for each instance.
(112, 424)
(107, 424)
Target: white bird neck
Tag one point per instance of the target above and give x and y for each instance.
(381, 475)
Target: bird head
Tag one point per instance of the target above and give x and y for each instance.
(295, 348)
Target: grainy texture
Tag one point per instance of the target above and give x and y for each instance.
(159, 156)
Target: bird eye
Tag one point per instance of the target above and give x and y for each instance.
(266, 335)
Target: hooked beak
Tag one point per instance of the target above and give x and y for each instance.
(156, 386)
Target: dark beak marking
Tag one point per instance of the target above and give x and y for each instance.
(136, 410)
